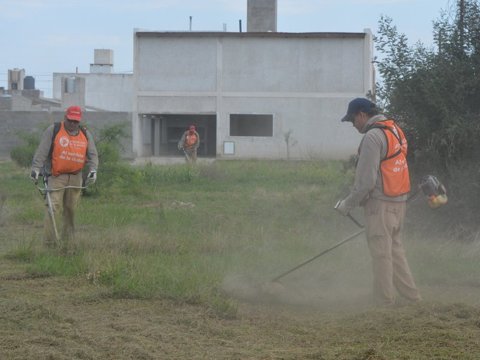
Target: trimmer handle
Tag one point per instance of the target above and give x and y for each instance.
(355, 221)
(337, 204)
(348, 215)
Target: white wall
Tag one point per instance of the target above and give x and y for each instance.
(111, 92)
(304, 80)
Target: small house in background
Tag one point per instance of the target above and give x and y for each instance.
(22, 95)
(101, 89)
(258, 94)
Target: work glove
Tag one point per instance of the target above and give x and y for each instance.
(341, 207)
(91, 177)
(34, 176)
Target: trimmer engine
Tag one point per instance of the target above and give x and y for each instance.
(434, 190)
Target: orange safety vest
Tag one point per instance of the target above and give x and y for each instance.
(190, 139)
(394, 167)
(69, 152)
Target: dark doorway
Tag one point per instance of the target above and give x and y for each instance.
(167, 129)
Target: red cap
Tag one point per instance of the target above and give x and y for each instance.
(74, 113)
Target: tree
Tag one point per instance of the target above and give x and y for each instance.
(435, 94)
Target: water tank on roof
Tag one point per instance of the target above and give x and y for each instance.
(70, 85)
(15, 79)
(29, 83)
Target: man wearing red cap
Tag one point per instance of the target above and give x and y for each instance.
(64, 150)
(189, 143)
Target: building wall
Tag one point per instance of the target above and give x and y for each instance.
(21, 103)
(13, 122)
(304, 80)
(110, 92)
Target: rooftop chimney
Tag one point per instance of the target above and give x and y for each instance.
(261, 15)
(103, 61)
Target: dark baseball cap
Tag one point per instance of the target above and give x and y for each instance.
(357, 105)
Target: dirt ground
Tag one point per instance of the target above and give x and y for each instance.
(60, 318)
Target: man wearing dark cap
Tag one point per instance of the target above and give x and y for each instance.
(64, 150)
(189, 143)
(381, 186)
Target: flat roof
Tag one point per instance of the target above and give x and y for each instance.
(224, 34)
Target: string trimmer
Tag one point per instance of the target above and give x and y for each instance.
(430, 186)
(45, 191)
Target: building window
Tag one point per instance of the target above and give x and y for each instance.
(251, 125)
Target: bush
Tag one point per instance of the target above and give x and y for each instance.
(23, 155)
(433, 94)
(108, 145)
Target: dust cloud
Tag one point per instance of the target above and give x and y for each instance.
(334, 289)
(446, 271)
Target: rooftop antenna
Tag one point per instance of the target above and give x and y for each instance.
(224, 27)
(240, 25)
(190, 23)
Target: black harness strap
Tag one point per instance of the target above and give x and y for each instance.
(397, 136)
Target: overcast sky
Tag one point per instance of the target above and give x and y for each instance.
(46, 36)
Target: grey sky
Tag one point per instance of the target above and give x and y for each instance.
(46, 36)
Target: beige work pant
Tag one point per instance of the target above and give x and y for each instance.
(191, 155)
(62, 199)
(384, 226)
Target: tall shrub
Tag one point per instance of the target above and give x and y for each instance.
(435, 94)
(22, 155)
(108, 142)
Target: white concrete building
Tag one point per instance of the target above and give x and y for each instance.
(249, 93)
(100, 89)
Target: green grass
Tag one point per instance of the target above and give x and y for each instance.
(177, 232)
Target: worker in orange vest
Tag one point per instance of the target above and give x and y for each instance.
(381, 186)
(64, 150)
(189, 143)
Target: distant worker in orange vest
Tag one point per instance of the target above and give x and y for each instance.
(381, 186)
(189, 143)
(64, 150)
